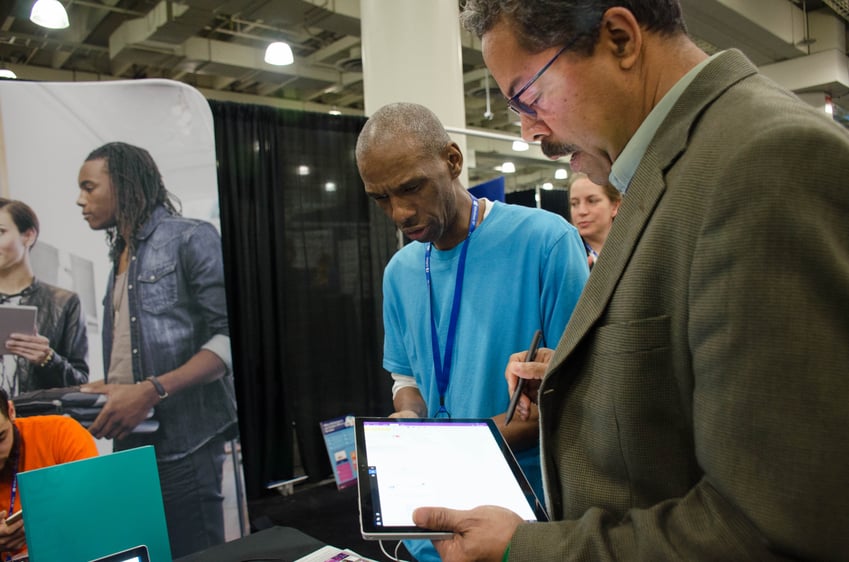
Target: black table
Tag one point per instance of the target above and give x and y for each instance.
(276, 544)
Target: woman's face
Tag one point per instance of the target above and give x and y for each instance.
(592, 210)
(14, 245)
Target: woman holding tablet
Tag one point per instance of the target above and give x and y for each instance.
(56, 355)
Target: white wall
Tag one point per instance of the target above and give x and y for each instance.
(49, 128)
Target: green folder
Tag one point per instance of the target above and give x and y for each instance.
(82, 510)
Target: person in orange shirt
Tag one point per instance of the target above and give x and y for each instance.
(30, 443)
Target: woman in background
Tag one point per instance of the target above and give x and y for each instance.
(56, 356)
(593, 208)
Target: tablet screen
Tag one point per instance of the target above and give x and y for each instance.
(15, 318)
(408, 463)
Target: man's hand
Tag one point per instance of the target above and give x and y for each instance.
(404, 414)
(533, 372)
(127, 406)
(12, 537)
(480, 534)
(409, 403)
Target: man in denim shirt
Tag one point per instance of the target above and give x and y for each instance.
(165, 328)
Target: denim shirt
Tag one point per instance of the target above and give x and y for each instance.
(177, 304)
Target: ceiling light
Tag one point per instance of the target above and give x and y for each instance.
(50, 14)
(508, 168)
(303, 170)
(277, 53)
(334, 111)
(330, 186)
(520, 145)
(6, 73)
(548, 186)
(561, 174)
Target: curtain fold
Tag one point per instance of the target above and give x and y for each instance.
(304, 254)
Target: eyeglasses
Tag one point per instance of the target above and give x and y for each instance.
(520, 107)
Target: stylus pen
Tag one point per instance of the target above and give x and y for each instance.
(514, 400)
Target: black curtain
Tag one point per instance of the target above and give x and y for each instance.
(304, 252)
(556, 201)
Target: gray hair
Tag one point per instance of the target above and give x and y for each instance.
(409, 121)
(543, 24)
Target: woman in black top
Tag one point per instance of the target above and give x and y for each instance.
(56, 356)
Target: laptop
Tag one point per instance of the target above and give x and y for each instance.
(403, 464)
(135, 554)
(102, 508)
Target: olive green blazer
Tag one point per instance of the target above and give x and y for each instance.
(697, 405)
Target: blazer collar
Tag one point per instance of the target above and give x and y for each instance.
(645, 191)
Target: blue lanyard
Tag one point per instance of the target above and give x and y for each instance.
(15, 458)
(590, 251)
(443, 368)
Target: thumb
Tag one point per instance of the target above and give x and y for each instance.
(435, 518)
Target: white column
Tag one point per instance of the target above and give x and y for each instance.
(411, 53)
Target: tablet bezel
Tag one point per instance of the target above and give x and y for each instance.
(372, 531)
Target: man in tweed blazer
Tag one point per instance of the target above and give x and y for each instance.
(697, 405)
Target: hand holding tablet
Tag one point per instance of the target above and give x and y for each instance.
(16, 319)
(405, 464)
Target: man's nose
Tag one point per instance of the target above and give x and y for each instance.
(533, 129)
(401, 212)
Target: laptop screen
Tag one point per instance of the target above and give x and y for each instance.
(135, 554)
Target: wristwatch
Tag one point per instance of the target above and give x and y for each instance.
(160, 390)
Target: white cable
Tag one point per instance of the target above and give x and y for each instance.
(393, 558)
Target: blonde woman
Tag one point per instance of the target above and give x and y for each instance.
(593, 208)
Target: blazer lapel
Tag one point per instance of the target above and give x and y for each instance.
(644, 192)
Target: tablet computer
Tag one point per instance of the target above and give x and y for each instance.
(16, 318)
(403, 464)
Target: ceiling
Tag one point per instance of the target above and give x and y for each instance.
(217, 47)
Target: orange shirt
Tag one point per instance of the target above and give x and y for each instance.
(46, 441)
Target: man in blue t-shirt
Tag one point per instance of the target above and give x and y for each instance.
(477, 283)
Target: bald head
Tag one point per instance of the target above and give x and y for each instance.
(407, 124)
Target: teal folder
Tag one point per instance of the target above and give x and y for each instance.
(82, 510)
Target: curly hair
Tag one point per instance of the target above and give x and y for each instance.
(138, 189)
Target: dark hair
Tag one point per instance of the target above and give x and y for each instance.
(22, 215)
(542, 24)
(138, 189)
(4, 403)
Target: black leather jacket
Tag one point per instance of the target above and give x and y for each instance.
(60, 319)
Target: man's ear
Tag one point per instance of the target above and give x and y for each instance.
(615, 209)
(11, 411)
(622, 36)
(455, 160)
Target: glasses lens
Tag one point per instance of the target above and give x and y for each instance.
(519, 108)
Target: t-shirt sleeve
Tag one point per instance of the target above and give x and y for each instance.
(73, 442)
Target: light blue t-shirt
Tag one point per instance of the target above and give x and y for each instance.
(525, 270)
